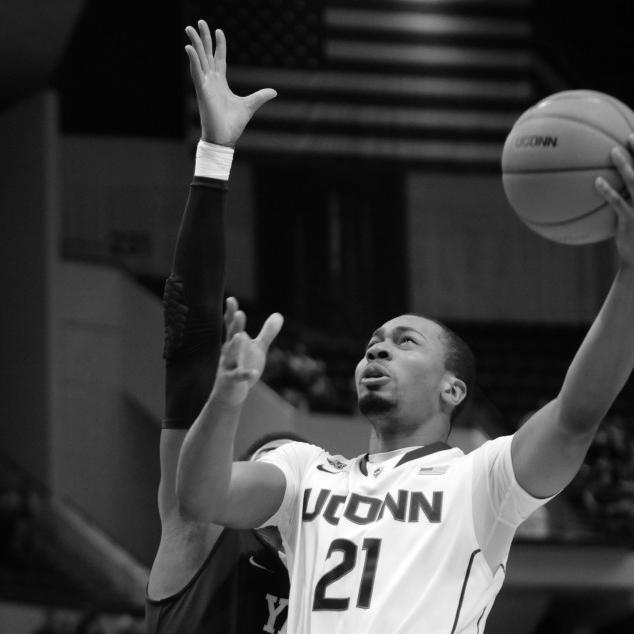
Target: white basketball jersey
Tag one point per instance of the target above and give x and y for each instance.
(394, 548)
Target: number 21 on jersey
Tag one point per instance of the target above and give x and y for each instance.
(349, 549)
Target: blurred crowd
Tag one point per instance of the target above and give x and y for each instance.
(604, 486)
(304, 381)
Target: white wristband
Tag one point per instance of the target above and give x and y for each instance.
(213, 161)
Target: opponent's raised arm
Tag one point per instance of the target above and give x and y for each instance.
(193, 300)
(210, 486)
(194, 290)
(549, 448)
(223, 115)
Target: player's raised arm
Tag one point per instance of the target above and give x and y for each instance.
(549, 448)
(210, 486)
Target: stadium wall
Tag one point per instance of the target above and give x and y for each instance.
(472, 259)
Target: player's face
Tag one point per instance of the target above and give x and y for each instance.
(403, 369)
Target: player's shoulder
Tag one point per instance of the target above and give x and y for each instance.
(333, 463)
(490, 452)
(493, 446)
(298, 452)
(317, 459)
(301, 460)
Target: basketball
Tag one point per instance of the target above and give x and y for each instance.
(551, 158)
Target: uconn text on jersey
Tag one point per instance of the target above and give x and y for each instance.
(404, 506)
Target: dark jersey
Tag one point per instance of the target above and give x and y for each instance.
(241, 588)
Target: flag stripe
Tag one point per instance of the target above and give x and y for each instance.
(397, 118)
(361, 129)
(351, 84)
(420, 24)
(510, 8)
(440, 56)
(411, 150)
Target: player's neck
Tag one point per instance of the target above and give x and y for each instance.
(384, 439)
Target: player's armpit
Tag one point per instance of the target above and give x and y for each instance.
(547, 454)
(256, 492)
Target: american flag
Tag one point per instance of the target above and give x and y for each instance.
(431, 81)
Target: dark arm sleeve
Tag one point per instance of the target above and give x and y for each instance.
(192, 304)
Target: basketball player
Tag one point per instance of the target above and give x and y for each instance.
(413, 536)
(206, 578)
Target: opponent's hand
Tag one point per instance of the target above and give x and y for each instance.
(622, 207)
(242, 358)
(223, 115)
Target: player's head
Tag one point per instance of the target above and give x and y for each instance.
(414, 368)
(269, 442)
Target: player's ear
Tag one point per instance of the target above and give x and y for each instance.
(454, 390)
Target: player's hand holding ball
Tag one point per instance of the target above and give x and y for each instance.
(242, 358)
(555, 154)
(623, 209)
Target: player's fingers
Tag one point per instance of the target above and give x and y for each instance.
(237, 324)
(220, 55)
(229, 354)
(232, 352)
(622, 209)
(194, 38)
(240, 374)
(259, 98)
(231, 305)
(194, 65)
(624, 164)
(270, 330)
(205, 36)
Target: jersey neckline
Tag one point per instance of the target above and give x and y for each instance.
(383, 456)
(414, 454)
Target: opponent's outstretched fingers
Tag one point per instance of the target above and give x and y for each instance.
(270, 329)
(195, 68)
(220, 54)
(205, 36)
(194, 38)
